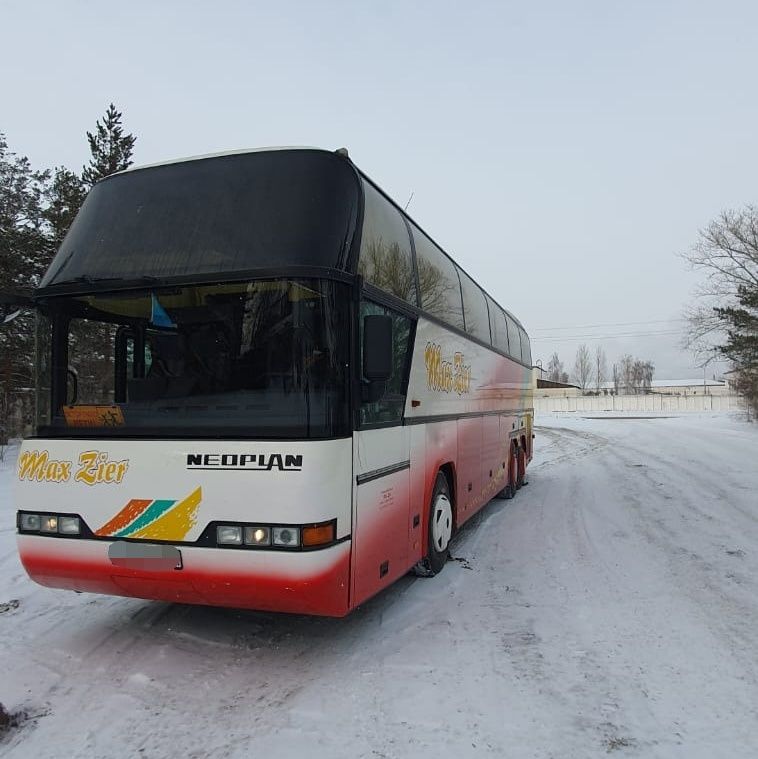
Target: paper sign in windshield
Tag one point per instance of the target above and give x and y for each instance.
(93, 416)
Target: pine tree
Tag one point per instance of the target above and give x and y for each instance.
(64, 196)
(742, 341)
(111, 149)
(25, 251)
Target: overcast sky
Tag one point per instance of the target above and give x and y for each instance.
(564, 153)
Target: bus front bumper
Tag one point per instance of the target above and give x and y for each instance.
(307, 582)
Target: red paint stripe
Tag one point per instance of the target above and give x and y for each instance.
(124, 517)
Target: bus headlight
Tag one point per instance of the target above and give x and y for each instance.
(287, 536)
(258, 536)
(29, 522)
(49, 524)
(229, 535)
(69, 525)
(292, 537)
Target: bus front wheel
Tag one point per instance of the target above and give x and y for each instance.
(439, 529)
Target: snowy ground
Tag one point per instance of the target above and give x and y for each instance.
(611, 608)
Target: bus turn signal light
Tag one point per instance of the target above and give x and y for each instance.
(319, 534)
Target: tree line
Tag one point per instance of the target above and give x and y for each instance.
(723, 320)
(630, 375)
(36, 210)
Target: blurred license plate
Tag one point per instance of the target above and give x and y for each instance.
(144, 556)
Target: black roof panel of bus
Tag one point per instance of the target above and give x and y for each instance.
(211, 216)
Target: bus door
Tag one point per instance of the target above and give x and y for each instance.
(381, 463)
(382, 506)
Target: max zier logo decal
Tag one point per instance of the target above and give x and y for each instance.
(446, 376)
(247, 462)
(93, 467)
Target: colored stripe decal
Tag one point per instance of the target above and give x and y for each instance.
(124, 517)
(156, 510)
(175, 524)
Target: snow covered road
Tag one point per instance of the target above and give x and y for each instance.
(611, 608)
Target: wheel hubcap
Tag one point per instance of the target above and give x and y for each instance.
(442, 522)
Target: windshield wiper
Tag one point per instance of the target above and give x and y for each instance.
(88, 279)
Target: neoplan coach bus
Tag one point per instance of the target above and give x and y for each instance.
(261, 385)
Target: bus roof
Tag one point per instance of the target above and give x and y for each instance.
(276, 148)
(219, 154)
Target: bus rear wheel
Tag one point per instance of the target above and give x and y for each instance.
(439, 529)
(512, 485)
(522, 467)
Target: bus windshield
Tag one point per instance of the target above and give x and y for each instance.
(245, 359)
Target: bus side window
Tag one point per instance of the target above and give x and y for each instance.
(475, 309)
(438, 281)
(385, 257)
(389, 409)
(498, 325)
(526, 353)
(514, 339)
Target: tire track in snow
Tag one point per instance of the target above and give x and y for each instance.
(682, 528)
(575, 633)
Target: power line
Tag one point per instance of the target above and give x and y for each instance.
(560, 338)
(607, 324)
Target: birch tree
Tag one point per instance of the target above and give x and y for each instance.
(601, 368)
(583, 367)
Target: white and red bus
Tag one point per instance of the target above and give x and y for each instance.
(262, 385)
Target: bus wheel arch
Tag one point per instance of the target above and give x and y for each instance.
(524, 445)
(448, 469)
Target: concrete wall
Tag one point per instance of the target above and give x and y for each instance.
(556, 392)
(693, 389)
(672, 403)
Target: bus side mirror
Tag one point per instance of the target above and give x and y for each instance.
(377, 354)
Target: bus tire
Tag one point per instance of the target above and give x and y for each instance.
(510, 489)
(522, 467)
(439, 529)
(505, 493)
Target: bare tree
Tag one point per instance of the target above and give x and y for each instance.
(633, 376)
(725, 320)
(601, 368)
(555, 371)
(727, 252)
(642, 376)
(583, 367)
(388, 267)
(626, 374)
